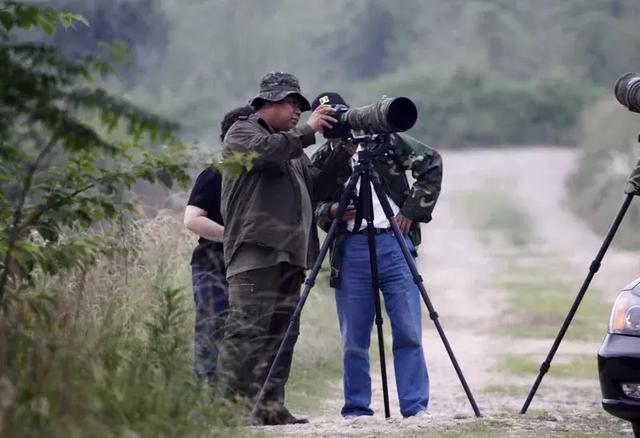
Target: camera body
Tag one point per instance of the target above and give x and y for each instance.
(341, 128)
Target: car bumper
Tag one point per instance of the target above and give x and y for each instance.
(618, 363)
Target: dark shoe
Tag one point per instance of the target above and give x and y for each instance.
(280, 417)
(290, 419)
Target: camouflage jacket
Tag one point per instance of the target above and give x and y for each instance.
(262, 206)
(416, 202)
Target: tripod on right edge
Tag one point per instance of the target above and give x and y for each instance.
(632, 189)
(366, 173)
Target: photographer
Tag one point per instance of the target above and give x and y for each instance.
(208, 275)
(270, 238)
(351, 272)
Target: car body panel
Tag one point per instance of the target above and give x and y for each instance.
(618, 363)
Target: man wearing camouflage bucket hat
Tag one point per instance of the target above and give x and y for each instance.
(276, 86)
(270, 238)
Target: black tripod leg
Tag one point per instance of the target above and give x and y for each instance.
(595, 266)
(365, 194)
(418, 280)
(309, 283)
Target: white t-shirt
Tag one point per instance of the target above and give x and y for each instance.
(379, 218)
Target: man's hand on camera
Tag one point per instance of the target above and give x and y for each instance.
(404, 223)
(349, 212)
(320, 118)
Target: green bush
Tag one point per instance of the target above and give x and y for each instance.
(106, 351)
(472, 109)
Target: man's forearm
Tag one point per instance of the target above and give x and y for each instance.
(270, 148)
(426, 188)
(206, 228)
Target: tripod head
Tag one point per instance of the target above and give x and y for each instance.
(372, 147)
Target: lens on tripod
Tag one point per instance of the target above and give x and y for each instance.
(627, 91)
(388, 115)
(401, 114)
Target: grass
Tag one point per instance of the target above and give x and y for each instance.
(539, 294)
(539, 304)
(536, 423)
(507, 390)
(317, 360)
(578, 367)
(103, 353)
(108, 351)
(496, 213)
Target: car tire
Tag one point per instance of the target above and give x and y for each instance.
(636, 429)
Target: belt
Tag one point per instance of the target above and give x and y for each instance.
(376, 231)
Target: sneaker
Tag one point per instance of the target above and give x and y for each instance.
(422, 414)
(419, 417)
(359, 419)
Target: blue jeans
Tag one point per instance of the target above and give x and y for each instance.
(354, 300)
(212, 303)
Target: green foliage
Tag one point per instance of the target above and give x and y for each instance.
(138, 29)
(93, 353)
(235, 162)
(70, 151)
(472, 109)
(17, 14)
(536, 64)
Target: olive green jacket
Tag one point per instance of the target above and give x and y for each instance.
(262, 206)
(416, 202)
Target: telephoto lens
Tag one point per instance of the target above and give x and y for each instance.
(627, 91)
(388, 115)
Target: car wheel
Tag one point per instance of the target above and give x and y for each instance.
(636, 429)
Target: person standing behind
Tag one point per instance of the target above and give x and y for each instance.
(208, 275)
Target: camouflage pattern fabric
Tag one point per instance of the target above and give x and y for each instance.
(633, 184)
(276, 86)
(373, 118)
(416, 202)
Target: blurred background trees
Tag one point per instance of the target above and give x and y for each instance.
(482, 71)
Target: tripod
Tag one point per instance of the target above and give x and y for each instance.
(632, 189)
(366, 173)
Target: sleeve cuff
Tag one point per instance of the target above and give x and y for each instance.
(408, 212)
(308, 137)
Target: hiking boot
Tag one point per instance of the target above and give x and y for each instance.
(281, 416)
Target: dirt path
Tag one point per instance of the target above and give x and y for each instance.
(461, 272)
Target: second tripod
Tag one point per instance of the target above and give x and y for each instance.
(366, 173)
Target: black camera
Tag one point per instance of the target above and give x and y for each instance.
(627, 91)
(388, 115)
